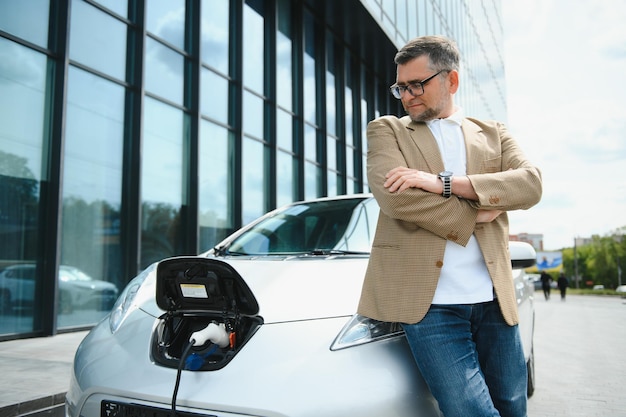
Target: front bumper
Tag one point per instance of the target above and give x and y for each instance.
(286, 369)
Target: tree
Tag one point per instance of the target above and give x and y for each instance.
(600, 261)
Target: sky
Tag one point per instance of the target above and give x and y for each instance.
(566, 96)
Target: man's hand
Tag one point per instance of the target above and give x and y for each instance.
(402, 178)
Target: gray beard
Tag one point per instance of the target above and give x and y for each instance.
(430, 114)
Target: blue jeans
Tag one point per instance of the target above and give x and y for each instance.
(471, 359)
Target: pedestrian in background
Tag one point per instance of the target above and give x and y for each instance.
(562, 283)
(546, 282)
(440, 263)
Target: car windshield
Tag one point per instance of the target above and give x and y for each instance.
(344, 226)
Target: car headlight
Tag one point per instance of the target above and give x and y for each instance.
(360, 330)
(123, 305)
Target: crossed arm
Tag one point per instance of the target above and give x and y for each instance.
(402, 178)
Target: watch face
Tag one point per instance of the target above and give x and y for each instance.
(445, 174)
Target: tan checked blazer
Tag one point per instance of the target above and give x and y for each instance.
(413, 226)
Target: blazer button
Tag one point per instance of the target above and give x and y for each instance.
(439, 264)
(494, 199)
(453, 236)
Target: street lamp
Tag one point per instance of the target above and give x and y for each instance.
(618, 239)
(576, 263)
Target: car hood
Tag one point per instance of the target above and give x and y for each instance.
(297, 288)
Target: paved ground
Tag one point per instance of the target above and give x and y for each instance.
(580, 345)
(35, 373)
(580, 350)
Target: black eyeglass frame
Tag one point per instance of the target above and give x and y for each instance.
(397, 90)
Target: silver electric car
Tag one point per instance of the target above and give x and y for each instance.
(263, 324)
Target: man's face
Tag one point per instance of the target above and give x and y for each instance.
(436, 102)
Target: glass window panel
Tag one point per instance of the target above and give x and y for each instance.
(166, 20)
(284, 130)
(118, 6)
(284, 178)
(98, 40)
(349, 106)
(284, 48)
(310, 143)
(23, 81)
(27, 19)
(253, 47)
(430, 17)
(331, 152)
(308, 69)
(92, 187)
(364, 173)
(253, 180)
(253, 111)
(161, 181)
(312, 178)
(331, 99)
(349, 161)
(349, 120)
(215, 34)
(164, 71)
(422, 26)
(332, 183)
(215, 184)
(214, 96)
(364, 121)
(412, 19)
(401, 19)
(354, 185)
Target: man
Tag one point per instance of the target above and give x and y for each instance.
(546, 283)
(440, 263)
(562, 283)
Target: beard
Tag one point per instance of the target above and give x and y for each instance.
(441, 108)
(428, 114)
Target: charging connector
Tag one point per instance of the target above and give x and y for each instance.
(216, 333)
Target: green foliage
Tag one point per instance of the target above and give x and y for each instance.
(597, 261)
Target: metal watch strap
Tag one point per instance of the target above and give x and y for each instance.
(446, 179)
(447, 186)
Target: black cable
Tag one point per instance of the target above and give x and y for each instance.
(181, 365)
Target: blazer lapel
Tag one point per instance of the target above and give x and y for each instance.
(474, 143)
(425, 142)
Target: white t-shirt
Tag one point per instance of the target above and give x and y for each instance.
(464, 276)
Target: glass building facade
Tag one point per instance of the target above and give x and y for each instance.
(135, 130)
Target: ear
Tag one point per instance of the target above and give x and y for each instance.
(453, 78)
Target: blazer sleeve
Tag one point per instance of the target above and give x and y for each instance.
(390, 144)
(510, 181)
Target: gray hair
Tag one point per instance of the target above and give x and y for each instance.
(442, 52)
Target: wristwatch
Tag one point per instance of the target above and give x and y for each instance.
(446, 178)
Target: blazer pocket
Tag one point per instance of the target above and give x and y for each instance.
(490, 166)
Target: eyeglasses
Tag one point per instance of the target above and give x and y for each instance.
(416, 88)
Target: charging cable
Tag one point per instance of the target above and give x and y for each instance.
(181, 365)
(214, 333)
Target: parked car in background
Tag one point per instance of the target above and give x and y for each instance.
(77, 290)
(264, 324)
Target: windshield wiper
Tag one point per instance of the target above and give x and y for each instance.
(326, 252)
(223, 251)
